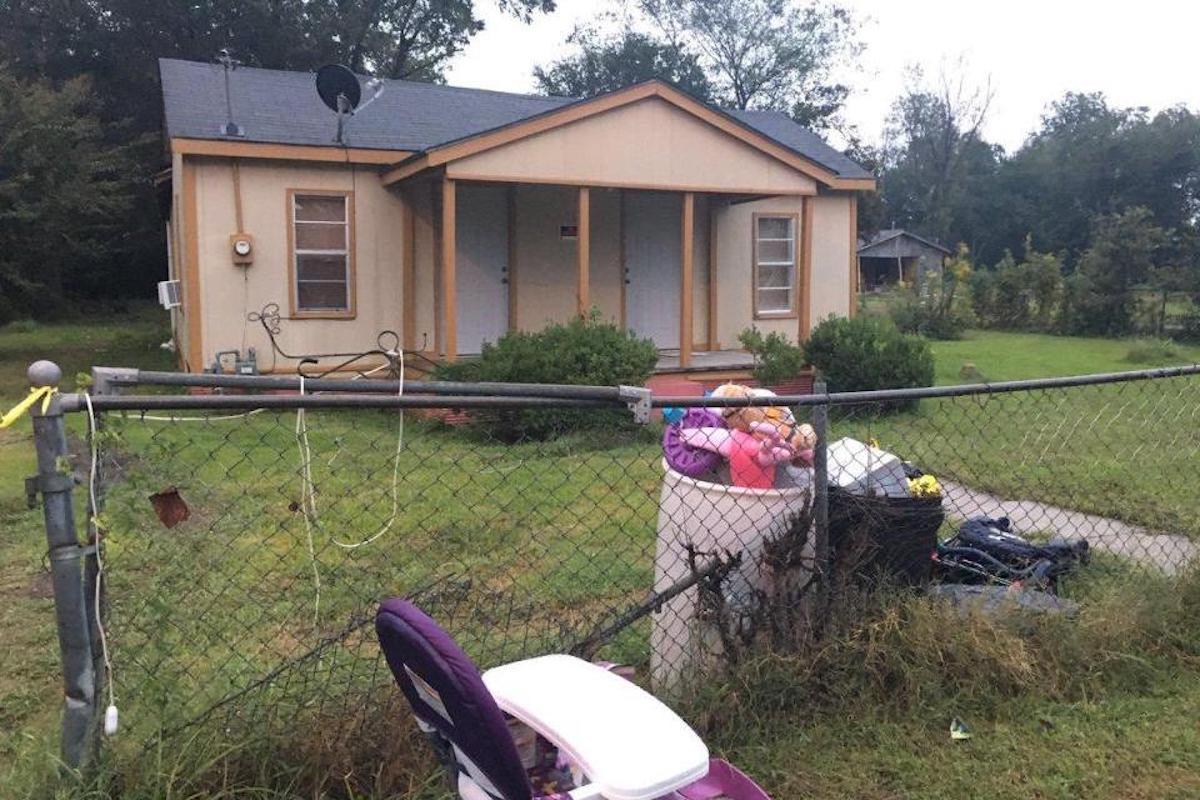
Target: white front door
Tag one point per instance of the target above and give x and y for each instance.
(652, 266)
(481, 265)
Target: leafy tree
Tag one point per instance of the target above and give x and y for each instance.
(1089, 159)
(873, 212)
(604, 64)
(935, 160)
(778, 55)
(1124, 251)
(766, 54)
(116, 43)
(65, 197)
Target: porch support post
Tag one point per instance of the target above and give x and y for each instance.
(584, 251)
(449, 302)
(805, 269)
(687, 228)
(855, 275)
(713, 343)
(408, 270)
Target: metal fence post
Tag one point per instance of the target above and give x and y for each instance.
(820, 423)
(55, 481)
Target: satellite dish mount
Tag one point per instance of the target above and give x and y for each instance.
(341, 92)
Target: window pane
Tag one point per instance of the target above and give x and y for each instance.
(774, 299)
(320, 268)
(320, 208)
(775, 252)
(774, 227)
(774, 277)
(321, 296)
(320, 237)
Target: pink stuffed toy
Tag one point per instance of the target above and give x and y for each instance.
(752, 456)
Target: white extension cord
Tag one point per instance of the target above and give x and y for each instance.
(111, 717)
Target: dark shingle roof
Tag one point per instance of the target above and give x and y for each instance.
(781, 128)
(282, 107)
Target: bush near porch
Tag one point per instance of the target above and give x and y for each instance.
(587, 352)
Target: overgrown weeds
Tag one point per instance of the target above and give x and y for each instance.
(889, 654)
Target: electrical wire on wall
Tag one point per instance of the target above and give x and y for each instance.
(387, 345)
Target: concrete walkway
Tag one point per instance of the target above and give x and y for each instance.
(1169, 552)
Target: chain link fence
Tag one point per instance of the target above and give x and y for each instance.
(248, 534)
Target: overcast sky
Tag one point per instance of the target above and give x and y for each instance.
(1141, 53)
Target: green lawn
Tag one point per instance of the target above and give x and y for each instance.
(516, 539)
(1001, 356)
(1124, 451)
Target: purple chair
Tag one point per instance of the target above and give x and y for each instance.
(620, 742)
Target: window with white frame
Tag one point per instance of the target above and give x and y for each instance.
(321, 253)
(775, 265)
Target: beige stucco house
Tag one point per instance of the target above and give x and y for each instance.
(452, 215)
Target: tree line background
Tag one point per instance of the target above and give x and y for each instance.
(1105, 200)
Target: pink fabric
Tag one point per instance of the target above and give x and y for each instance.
(752, 456)
(745, 468)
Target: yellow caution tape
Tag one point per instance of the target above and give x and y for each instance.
(43, 393)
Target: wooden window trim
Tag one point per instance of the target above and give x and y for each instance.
(351, 311)
(793, 311)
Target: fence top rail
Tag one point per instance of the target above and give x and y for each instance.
(251, 402)
(106, 378)
(337, 393)
(883, 395)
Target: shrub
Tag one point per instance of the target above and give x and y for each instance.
(941, 308)
(1024, 296)
(583, 351)
(1124, 251)
(1152, 351)
(775, 358)
(1189, 330)
(866, 353)
(923, 314)
(21, 326)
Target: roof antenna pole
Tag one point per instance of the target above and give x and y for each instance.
(225, 59)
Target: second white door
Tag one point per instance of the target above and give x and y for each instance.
(481, 265)
(652, 271)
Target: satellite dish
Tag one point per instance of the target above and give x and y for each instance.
(338, 88)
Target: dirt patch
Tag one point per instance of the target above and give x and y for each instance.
(41, 586)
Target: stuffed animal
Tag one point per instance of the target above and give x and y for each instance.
(800, 437)
(752, 455)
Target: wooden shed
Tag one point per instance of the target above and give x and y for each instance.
(895, 255)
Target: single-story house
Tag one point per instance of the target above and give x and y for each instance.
(453, 215)
(895, 255)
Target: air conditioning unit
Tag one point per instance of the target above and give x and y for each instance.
(168, 294)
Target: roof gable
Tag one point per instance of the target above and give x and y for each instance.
(649, 143)
(891, 239)
(582, 109)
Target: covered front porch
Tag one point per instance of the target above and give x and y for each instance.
(642, 206)
(492, 257)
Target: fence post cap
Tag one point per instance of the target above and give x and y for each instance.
(44, 373)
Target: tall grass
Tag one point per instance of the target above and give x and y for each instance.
(889, 655)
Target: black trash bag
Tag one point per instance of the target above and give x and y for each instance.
(985, 550)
